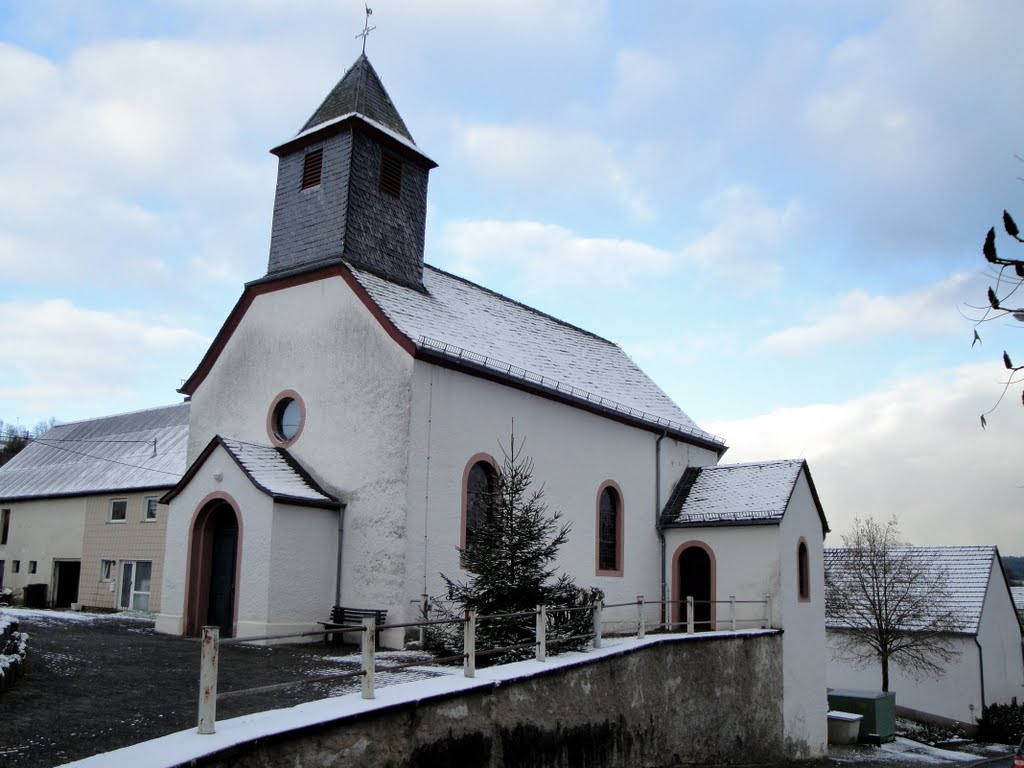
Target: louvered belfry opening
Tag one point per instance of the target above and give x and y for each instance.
(391, 175)
(312, 168)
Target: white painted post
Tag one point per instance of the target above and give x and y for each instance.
(767, 611)
(369, 641)
(689, 614)
(469, 645)
(209, 651)
(542, 633)
(425, 616)
(732, 612)
(598, 608)
(640, 624)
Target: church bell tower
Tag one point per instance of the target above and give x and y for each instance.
(352, 186)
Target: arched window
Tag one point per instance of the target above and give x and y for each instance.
(609, 530)
(803, 571)
(480, 489)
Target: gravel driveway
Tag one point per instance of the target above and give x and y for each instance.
(99, 682)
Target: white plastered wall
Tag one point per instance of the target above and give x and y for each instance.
(42, 530)
(1000, 638)
(456, 416)
(321, 341)
(805, 700)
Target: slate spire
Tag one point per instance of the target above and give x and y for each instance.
(352, 187)
(361, 91)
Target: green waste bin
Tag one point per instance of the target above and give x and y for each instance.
(35, 595)
(877, 707)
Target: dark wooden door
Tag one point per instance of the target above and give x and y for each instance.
(695, 578)
(221, 611)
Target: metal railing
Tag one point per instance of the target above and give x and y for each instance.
(368, 629)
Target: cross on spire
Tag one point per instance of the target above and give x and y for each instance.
(367, 29)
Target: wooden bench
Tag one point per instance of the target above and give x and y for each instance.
(351, 619)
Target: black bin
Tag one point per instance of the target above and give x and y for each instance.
(35, 595)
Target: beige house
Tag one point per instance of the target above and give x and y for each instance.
(80, 518)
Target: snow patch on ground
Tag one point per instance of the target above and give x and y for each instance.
(901, 750)
(46, 615)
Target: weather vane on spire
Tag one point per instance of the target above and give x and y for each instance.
(367, 29)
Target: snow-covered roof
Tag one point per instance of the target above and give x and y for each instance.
(1018, 598)
(128, 451)
(272, 470)
(463, 322)
(733, 494)
(966, 569)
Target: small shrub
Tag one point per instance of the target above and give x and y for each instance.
(1001, 723)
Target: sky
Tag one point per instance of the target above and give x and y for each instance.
(777, 209)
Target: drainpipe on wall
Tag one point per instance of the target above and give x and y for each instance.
(657, 523)
(341, 535)
(981, 673)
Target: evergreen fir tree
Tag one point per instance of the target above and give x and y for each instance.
(510, 560)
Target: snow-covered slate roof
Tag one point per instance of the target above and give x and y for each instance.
(733, 494)
(476, 327)
(967, 570)
(272, 470)
(128, 451)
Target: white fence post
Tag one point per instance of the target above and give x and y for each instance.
(209, 650)
(469, 645)
(598, 608)
(542, 633)
(732, 612)
(689, 614)
(641, 625)
(425, 611)
(369, 663)
(767, 611)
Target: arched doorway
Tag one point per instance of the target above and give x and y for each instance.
(695, 577)
(214, 569)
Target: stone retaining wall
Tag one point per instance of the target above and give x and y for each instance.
(715, 700)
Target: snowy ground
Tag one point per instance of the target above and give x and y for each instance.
(904, 750)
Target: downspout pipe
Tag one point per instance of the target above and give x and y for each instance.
(341, 536)
(657, 525)
(981, 674)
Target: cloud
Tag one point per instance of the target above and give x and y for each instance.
(913, 448)
(63, 357)
(550, 161)
(858, 316)
(547, 255)
(746, 238)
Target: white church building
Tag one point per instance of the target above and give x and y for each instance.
(353, 407)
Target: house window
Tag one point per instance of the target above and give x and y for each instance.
(803, 572)
(391, 175)
(31, 566)
(118, 510)
(107, 570)
(151, 503)
(312, 168)
(480, 489)
(5, 525)
(15, 566)
(609, 530)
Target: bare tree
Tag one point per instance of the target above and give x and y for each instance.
(887, 602)
(1005, 298)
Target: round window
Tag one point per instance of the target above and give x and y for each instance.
(287, 418)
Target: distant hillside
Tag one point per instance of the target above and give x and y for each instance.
(1014, 567)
